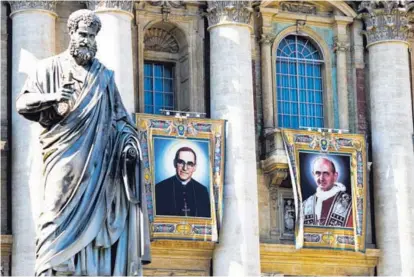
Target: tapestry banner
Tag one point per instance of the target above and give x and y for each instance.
(329, 181)
(183, 170)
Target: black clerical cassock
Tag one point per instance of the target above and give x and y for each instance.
(173, 197)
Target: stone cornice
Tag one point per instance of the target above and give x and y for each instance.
(18, 6)
(229, 12)
(122, 5)
(384, 20)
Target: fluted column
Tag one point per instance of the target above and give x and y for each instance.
(33, 38)
(392, 131)
(341, 47)
(115, 44)
(267, 91)
(237, 254)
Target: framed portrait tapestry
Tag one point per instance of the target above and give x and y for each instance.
(329, 185)
(183, 170)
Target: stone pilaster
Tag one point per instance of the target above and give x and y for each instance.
(237, 254)
(115, 44)
(341, 47)
(267, 88)
(33, 38)
(392, 131)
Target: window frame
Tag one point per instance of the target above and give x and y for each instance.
(174, 79)
(326, 71)
(297, 61)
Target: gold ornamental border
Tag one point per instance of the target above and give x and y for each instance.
(328, 143)
(183, 128)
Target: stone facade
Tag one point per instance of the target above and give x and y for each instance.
(224, 57)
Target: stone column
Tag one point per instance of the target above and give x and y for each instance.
(33, 38)
(341, 47)
(267, 88)
(392, 130)
(237, 254)
(115, 44)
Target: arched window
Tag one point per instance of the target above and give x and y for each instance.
(299, 83)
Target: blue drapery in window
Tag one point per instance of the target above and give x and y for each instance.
(158, 87)
(299, 83)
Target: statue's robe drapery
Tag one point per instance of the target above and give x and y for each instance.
(93, 216)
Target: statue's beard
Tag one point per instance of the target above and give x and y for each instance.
(83, 53)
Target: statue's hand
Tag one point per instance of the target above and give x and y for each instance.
(35, 102)
(64, 94)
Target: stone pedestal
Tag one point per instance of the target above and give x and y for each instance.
(237, 253)
(115, 45)
(33, 38)
(392, 141)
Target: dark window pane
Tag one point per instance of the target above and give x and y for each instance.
(295, 108)
(169, 100)
(319, 122)
(285, 94)
(158, 99)
(286, 121)
(168, 72)
(158, 84)
(294, 122)
(147, 69)
(157, 70)
(280, 107)
(168, 85)
(148, 83)
(148, 98)
(148, 109)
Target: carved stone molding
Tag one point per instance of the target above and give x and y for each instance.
(267, 38)
(277, 176)
(384, 20)
(340, 46)
(157, 39)
(166, 6)
(229, 12)
(17, 6)
(298, 7)
(123, 5)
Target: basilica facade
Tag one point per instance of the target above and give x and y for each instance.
(332, 66)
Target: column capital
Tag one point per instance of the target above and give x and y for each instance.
(384, 20)
(19, 6)
(220, 12)
(340, 46)
(267, 39)
(106, 5)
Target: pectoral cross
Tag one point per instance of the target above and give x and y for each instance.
(186, 209)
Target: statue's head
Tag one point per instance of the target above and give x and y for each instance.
(83, 27)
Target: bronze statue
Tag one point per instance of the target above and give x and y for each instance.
(94, 219)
